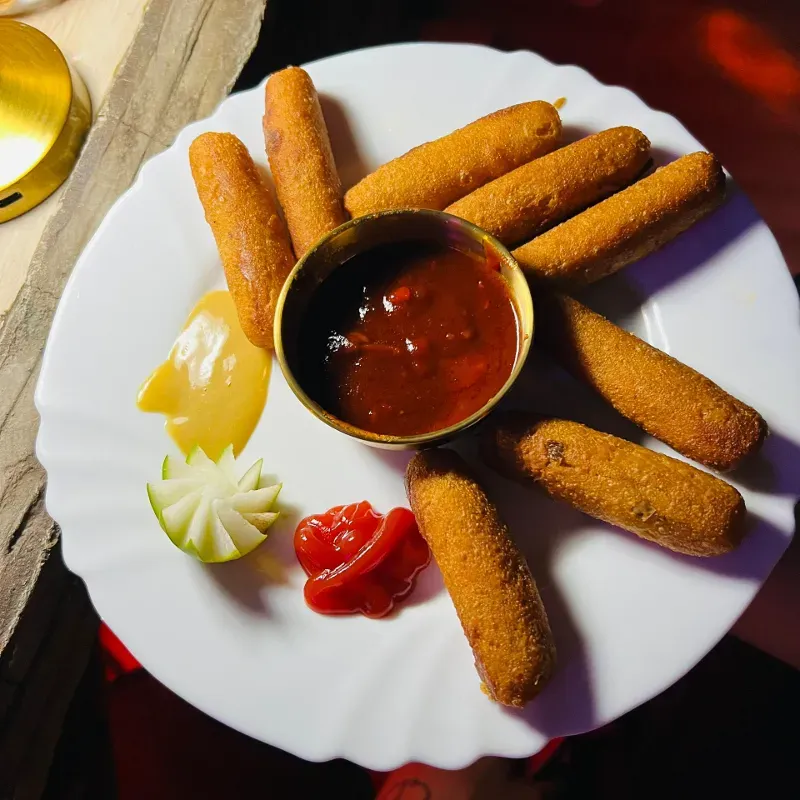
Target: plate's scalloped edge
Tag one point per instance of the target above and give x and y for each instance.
(465, 754)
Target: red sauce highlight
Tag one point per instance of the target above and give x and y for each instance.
(359, 561)
(407, 339)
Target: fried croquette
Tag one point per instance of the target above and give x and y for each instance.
(658, 498)
(664, 397)
(537, 195)
(251, 238)
(627, 226)
(487, 577)
(301, 159)
(438, 173)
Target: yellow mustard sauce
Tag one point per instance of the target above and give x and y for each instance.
(213, 385)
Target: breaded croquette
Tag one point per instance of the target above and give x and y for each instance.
(626, 226)
(661, 395)
(438, 173)
(658, 498)
(537, 195)
(487, 577)
(300, 158)
(251, 238)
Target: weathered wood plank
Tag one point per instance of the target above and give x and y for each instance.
(95, 34)
(183, 61)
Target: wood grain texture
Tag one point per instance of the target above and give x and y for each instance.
(182, 62)
(94, 35)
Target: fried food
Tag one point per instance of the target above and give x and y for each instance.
(661, 395)
(627, 226)
(251, 237)
(488, 579)
(537, 195)
(300, 157)
(658, 498)
(438, 173)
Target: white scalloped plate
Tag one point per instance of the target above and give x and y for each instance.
(629, 619)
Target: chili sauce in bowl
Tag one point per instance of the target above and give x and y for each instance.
(409, 338)
(404, 328)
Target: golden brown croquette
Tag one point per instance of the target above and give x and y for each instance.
(251, 238)
(300, 158)
(541, 193)
(661, 395)
(438, 173)
(487, 577)
(659, 498)
(627, 226)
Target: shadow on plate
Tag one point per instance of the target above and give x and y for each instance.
(349, 163)
(618, 299)
(695, 246)
(545, 388)
(775, 468)
(429, 585)
(243, 582)
(396, 459)
(573, 133)
(621, 296)
(762, 545)
(570, 693)
(662, 156)
(246, 580)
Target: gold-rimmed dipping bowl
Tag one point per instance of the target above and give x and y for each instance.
(365, 233)
(45, 112)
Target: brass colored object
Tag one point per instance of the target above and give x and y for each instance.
(45, 112)
(364, 233)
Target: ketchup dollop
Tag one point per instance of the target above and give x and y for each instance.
(359, 561)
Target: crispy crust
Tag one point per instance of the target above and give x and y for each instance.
(658, 498)
(438, 173)
(537, 195)
(666, 398)
(627, 226)
(300, 158)
(488, 579)
(251, 238)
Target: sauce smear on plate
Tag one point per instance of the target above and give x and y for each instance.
(407, 339)
(213, 385)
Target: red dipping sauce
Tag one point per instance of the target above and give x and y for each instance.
(409, 338)
(359, 561)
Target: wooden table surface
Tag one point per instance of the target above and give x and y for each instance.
(94, 35)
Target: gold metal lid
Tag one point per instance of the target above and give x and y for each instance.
(45, 112)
